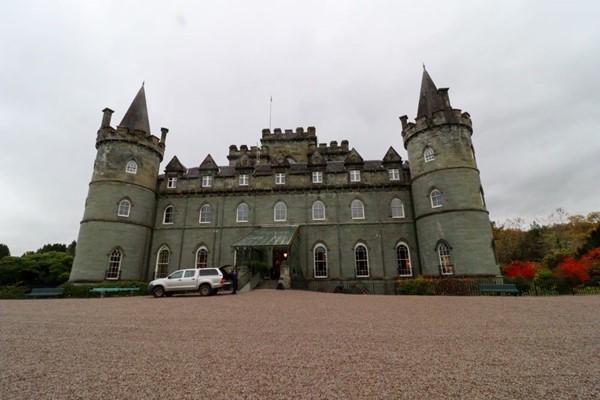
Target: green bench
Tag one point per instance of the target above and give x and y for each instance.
(46, 292)
(499, 288)
(103, 291)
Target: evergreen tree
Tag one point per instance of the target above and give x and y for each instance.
(4, 251)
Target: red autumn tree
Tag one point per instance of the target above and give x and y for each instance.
(524, 269)
(573, 271)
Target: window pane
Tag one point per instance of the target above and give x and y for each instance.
(242, 213)
(318, 210)
(358, 211)
(206, 214)
(114, 265)
(320, 262)
(428, 154)
(362, 261)
(404, 267)
(131, 167)
(397, 208)
(436, 198)
(162, 264)
(280, 212)
(202, 258)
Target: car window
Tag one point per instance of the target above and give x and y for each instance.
(208, 271)
(189, 273)
(176, 275)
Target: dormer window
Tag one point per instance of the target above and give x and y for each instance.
(244, 179)
(280, 178)
(317, 177)
(394, 174)
(131, 167)
(354, 175)
(172, 182)
(207, 181)
(428, 154)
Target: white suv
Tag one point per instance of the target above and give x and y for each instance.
(206, 281)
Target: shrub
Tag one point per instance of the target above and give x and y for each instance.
(83, 291)
(13, 292)
(417, 286)
(523, 269)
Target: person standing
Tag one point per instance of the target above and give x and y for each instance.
(233, 276)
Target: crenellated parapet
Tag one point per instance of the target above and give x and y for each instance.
(289, 134)
(122, 134)
(438, 118)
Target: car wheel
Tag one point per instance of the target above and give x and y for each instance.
(205, 289)
(158, 291)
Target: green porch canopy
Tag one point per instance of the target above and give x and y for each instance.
(269, 237)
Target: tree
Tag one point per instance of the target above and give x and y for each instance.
(523, 269)
(71, 248)
(573, 271)
(53, 247)
(38, 269)
(4, 251)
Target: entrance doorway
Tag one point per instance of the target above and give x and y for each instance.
(279, 256)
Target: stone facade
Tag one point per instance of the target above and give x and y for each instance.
(318, 209)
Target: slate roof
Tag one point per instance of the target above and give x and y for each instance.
(136, 116)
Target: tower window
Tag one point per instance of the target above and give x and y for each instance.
(114, 265)
(169, 215)
(397, 208)
(280, 211)
(357, 209)
(361, 258)
(317, 177)
(242, 213)
(207, 181)
(428, 154)
(446, 267)
(131, 167)
(172, 182)
(403, 257)
(436, 198)
(202, 257)
(243, 180)
(318, 210)
(124, 208)
(205, 214)
(354, 175)
(280, 178)
(320, 258)
(394, 174)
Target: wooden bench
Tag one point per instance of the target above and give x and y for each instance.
(46, 292)
(103, 291)
(499, 288)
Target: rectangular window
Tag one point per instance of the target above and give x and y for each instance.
(172, 182)
(354, 175)
(317, 177)
(244, 180)
(207, 181)
(394, 174)
(280, 178)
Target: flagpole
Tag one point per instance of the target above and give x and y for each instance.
(270, 111)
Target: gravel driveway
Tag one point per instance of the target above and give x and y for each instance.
(270, 344)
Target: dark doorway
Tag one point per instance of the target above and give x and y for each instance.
(279, 256)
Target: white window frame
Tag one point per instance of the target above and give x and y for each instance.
(354, 175)
(320, 268)
(394, 174)
(357, 209)
(446, 267)
(280, 212)
(428, 154)
(114, 265)
(280, 178)
(202, 251)
(244, 179)
(404, 264)
(124, 208)
(239, 213)
(397, 208)
(170, 213)
(365, 260)
(207, 180)
(171, 182)
(131, 167)
(205, 214)
(161, 270)
(317, 177)
(318, 211)
(436, 198)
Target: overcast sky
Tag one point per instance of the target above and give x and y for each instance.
(526, 71)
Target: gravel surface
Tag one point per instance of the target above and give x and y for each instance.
(270, 344)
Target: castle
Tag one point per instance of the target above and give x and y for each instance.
(318, 209)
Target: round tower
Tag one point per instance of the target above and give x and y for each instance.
(116, 230)
(452, 222)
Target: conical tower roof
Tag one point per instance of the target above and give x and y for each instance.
(136, 116)
(430, 100)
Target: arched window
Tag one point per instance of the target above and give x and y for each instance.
(320, 257)
(397, 208)
(280, 211)
(428, 154)
(205, 214)
(114, 265)
(446, 266)
(169, 215)
(318, 210)
(436, 198)
(242, 213)
(202, 257)
(403, 257)
(131, 167)
(124, 207)
(361, 258)
(162, 263)
(358, 209)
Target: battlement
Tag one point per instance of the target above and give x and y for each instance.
(438, 118)
(289, 134)
(139, 137)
